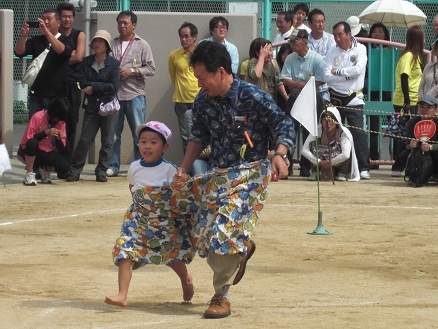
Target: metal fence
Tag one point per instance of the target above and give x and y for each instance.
(335, 11)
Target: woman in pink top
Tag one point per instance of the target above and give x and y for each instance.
(43, 145)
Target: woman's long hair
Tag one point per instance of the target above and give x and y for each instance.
(415, 44)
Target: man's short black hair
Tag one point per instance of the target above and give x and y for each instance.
(215, 21)
(128, 13)
(213, 55)
(192, 27)
(66, 6)
(301, 6)
(314, 12)
(347, 28)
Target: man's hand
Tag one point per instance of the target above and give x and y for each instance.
(180, 178)
(125, 74)
(425, 147)
(413, 143)
(279, 166)
(88, 90)
(25, 30)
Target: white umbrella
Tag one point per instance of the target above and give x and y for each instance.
(393, 13)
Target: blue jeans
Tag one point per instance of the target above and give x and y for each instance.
(199, 166)
(135, 112)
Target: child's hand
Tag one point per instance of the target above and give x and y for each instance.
(180, 178)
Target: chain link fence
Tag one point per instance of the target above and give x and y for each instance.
(335, 11)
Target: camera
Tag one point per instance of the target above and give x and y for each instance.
(33, 25)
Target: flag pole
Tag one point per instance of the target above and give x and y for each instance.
(320, 229)
(306, 115)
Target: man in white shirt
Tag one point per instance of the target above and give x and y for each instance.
(344, 73)
(284, 25)
(319, 40)
(301, 10)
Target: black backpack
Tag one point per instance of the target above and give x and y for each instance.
(419, 167)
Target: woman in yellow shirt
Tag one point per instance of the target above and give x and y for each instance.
(408, 76)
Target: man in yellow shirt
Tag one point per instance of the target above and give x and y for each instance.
(183, 79)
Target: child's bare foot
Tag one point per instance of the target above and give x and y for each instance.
(116, 300)
(188, 289)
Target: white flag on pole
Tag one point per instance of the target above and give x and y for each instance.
(304, 108)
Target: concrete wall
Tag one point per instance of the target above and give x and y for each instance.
(160, 30)
(6, 79)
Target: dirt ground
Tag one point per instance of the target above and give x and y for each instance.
(379, 269)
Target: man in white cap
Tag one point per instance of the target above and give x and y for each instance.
(345, 67)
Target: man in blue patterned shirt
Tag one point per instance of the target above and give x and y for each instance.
(237, 119)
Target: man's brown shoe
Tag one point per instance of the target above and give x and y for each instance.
(242, 267)
(219, 308)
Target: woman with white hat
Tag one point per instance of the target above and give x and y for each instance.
(99, 80)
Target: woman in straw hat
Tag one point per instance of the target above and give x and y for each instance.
(99, 81)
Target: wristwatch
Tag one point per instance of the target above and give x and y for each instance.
(283, 155)
(430, 147)
(132, 72)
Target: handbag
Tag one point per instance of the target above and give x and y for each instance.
(35, 66)
(397, 124)
(338, 99)
(109, 108)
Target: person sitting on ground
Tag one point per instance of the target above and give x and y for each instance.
(146, 238)
(427, 110)
(263, 70)
(335, 149)
(43, 145)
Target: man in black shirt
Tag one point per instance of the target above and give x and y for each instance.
(67, 13)
(50, 82)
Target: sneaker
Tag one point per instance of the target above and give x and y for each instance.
(312, 177)
(45, 176)
(111, 172)
(341, 177)
(29, 179)
(396, 173)
(365, 174)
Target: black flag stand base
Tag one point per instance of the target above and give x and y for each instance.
(320, 230)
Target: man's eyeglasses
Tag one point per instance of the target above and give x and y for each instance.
(221, 27)
(427, 107)
(293, 40)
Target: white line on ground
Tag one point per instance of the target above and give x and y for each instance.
(88, 213)
(62, 217)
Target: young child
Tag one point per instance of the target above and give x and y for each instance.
(152, 237)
